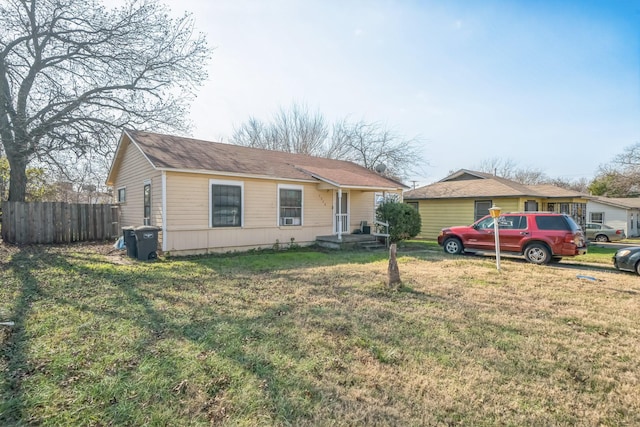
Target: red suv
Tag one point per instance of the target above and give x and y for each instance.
(541, 237)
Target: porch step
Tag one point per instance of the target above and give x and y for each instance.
(373, 245)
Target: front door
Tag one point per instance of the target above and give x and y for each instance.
(341, 213)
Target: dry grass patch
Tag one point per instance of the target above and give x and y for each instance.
(312, 338)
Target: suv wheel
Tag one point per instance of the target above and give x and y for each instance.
(601, 238)
(452, 246)
(537, 254)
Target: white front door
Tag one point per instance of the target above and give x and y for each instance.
(341, 213)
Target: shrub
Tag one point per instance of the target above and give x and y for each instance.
(404, 220)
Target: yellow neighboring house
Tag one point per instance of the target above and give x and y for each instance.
(466, 196)
(214, 197)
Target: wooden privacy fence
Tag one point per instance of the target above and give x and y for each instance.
(56, 222)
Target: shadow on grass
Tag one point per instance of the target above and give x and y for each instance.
(137, 298)
(13, 348)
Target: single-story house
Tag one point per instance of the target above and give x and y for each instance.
(466, 196)
(215, 197)
(621, 213)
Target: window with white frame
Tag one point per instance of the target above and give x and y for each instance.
(290, 202)
(146, 197)
(226, 200)
(122, 194)
(596, 217)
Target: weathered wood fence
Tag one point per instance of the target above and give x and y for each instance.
(56, 222)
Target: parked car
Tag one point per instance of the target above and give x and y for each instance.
(627, 259)
(603, 233)
(541, 237)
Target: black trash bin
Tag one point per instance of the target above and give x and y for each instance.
(130, 241)
(147, 242)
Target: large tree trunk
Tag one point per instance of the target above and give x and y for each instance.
(17, 177)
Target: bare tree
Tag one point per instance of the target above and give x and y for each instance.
(498, 166)
(508, 168)
(297, 130)
(72, 73)
(581, 184)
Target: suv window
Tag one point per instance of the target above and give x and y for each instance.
(552, 223)
(485, 223)
(513, 222)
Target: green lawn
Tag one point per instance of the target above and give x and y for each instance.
(313, 338)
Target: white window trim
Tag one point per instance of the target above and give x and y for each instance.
(290, 187)
(230, 183)
(124, 187)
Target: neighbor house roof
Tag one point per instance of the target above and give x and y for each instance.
(471, 184)
(176, 153)
(620, 202)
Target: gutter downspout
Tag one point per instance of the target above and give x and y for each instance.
(164, 211)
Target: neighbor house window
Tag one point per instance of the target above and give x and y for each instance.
(147, 204)
(122, 195)
(226, 203)
(597, 217)
(414, 205)
(530, 206)
(482, 208)
(290, 205)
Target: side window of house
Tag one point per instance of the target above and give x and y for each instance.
(597, 217)
(122, 195)
(531, 206)
(146, 216)
(226, 203)
(289, 205)
(414, 205)
(482, 208)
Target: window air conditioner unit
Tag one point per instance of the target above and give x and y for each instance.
(288, 220)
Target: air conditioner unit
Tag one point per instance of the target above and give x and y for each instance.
(288, 220)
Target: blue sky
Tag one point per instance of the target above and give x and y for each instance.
(551, 85)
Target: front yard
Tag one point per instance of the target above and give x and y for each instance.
(313, 338)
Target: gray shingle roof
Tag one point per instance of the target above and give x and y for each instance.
(471, 184)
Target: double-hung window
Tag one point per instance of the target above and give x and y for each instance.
(227, 200)
(146, 197)
(122, 194)
(482, 208)
(597, 217)
(290, 202)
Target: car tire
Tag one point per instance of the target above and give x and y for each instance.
(601, 238)
(537, 253)
(452, 246)
(638, 267)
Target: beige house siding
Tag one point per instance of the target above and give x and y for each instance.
(188, 219)
(133, 173)
(362, 209)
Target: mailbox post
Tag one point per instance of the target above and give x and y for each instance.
(495, 214)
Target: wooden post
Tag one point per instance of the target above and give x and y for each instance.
(393, 271)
